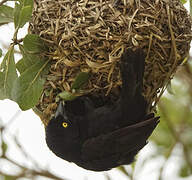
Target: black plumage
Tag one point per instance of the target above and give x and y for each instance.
(101, 138)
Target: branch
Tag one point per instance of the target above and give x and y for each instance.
(26, 172)
(2, 2)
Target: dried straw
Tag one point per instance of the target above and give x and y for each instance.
(91, 35)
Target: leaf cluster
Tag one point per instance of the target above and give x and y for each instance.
(23, 81)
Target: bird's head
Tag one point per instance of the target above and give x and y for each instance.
(62, 134)
(62, 126)
(67, 130)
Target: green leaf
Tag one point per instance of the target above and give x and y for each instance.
(24, 16)
(80, 80)
(2, 93)
(21, 67)
(4, 147)
(6, 14)
(22, 13)
(8, 75)
(33, 43)
(185, 171)
(29, 86)
(183, 1)
(67, 96)
(30, 58)
(28, 3)
(27, 60)
(3, 63)
(17, 10)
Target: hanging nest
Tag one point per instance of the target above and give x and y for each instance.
(91, 35)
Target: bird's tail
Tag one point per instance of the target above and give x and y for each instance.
(133, 104)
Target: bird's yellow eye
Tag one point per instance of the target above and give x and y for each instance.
(65, 125)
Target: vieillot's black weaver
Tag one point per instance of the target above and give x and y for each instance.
(101, 138)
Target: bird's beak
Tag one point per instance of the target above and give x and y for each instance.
(60, 110)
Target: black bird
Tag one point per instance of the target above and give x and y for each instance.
(101, 138)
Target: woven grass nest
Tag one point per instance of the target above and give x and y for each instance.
(91, 35)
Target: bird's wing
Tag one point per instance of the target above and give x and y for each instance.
(107, 151)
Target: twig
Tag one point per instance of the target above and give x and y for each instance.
(24, 170)
(2, 2)
(27, 171)
(25, 154)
